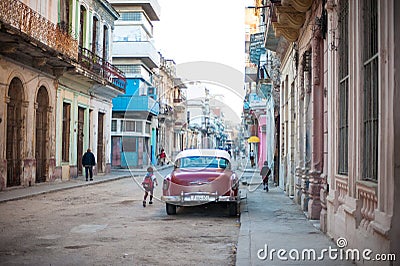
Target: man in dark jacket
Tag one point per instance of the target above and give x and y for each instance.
(88, 161)
(265, 172)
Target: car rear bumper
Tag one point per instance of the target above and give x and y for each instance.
(196, 198)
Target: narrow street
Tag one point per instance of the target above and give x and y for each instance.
(106, 224)
(216, 99)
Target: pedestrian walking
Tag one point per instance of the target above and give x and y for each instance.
(252, 158)
(265, 173)
(162, 157)
(88, 161)
(148, 185)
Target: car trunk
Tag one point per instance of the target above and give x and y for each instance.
(198, 180)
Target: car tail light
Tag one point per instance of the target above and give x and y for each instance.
(165, 184)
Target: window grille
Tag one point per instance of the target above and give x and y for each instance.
(343, 87)
(371, 88)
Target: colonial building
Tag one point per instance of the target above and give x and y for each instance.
(339, 124)
(134, 123)
(171, 132)
(48, 81)
(84, 95)
(262, 91)
(360, 199)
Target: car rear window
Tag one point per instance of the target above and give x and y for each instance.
(202, 162)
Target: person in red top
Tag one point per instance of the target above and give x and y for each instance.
(162, 157)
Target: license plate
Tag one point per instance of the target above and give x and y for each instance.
(198, 198)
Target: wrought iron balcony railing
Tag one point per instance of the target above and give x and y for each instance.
(34, 25)
(102, 68)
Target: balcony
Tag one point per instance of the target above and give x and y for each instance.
(137, 50)
(29, 38)
(101, 69)
(136, 103)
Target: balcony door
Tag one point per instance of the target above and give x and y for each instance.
(82, 25)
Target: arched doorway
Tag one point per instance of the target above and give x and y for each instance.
(14, 133)
(42, 101)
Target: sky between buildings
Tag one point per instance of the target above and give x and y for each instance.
(208, 30)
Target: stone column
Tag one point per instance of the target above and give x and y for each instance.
(300, 136)
(314, 205)
(307, 107)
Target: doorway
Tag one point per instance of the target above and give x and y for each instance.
(81, 123)
(100, 140)
(14, 133)
(42, 101)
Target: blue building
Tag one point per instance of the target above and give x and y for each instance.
(134, 119)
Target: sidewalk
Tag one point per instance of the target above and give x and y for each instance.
(270, 220)
(48, 187)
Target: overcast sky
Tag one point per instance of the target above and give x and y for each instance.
(206, 30)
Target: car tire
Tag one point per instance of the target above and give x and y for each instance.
(233, 208)
(170, 208)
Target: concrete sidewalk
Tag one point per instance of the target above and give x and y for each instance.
(270, 220)
(48, 187)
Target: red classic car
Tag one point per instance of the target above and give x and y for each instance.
(201, 176)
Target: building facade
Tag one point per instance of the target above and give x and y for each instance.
(360, 199)
(134, 119)
(84, 96)
(338, 120)
(40, 52)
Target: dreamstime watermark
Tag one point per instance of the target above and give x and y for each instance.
(331, 253)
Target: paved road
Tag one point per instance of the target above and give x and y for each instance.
(106, 224)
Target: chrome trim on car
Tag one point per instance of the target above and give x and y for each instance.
(194, 198)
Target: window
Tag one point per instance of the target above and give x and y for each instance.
(343, 87)
(129, 144)
(147, 129)
(95, 33)
(66, 131)
(130, 126)
(114, 125)
(131, 16)
(131, 69)
(370, 104)
(202, 162)
(105, 43)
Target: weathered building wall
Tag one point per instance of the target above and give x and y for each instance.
(26, 124)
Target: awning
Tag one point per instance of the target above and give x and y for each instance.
(253, 139)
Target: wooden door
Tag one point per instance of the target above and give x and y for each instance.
(42, 101)
(14, 133)
(81, 123)
(100, 140)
